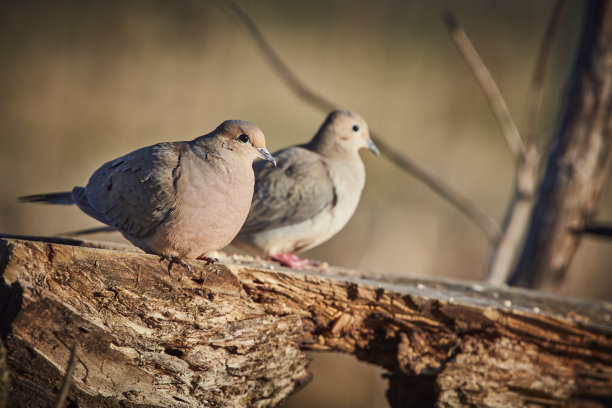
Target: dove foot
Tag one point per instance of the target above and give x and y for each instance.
(208, 259)
(174, 259)
(292, 260)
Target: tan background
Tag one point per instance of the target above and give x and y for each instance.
(85, 82)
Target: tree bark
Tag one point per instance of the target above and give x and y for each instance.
(579, 161)
(232, 334)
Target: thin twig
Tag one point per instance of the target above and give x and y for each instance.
(487, 84)
(274, 59)
(600, 229)
(535, 92)
(60, 402)
(484, 221)
(503, 252)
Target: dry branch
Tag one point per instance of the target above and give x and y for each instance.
(516, 220)
(579, 160)
(505, 246)
(488, 85)
(600, 229)
(230, 334)
(504, 249)
(535, 93)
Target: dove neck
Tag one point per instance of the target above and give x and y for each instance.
(329, 145)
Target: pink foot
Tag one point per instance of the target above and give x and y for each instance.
(173, 260)
(292, 260)
(208, 259)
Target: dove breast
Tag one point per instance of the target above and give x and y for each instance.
(302, 202)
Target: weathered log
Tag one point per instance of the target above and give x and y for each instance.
(232, 333)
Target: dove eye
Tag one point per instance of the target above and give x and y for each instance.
(355, 128)
(244, 138)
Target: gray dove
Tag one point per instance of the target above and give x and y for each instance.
(311, 194)
(180, 200)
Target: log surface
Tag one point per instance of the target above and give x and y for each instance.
(233, 334)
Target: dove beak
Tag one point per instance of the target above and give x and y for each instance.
(373, 147)
(265, 154)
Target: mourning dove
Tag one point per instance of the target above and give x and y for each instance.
(179, 200)
(311, 194)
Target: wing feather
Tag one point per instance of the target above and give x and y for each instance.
(135, 193)
(297, 189)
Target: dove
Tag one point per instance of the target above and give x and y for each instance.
(180, 200)
(311, 193)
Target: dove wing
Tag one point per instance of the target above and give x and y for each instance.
(136, 192)
(297, 189)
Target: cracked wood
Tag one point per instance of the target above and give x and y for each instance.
(232, 334)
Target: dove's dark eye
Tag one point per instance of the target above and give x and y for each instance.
(244, 138)
(355, 128)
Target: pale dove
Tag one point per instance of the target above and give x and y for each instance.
(312, 192)
(179, 200)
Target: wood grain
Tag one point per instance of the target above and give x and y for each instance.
(233, 334)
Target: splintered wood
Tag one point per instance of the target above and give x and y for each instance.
(232, 334)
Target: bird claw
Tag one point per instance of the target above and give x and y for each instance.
(293, 261)
(208, 259)
(174, 259)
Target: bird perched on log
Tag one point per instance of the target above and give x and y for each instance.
(311, 194)
(180, 200)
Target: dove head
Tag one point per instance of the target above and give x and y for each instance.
(243, 137)
(343, 132)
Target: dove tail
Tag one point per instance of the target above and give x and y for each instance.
(89, 231)
(64, 198)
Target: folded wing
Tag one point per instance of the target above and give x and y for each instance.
(297, 189)
(136, 192)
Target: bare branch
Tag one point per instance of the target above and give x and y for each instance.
(485, 222)
(504, 251)
(63, 394)
(600, 229)
(579, 160)
(536, 88)
(488, 86)
(291, 80)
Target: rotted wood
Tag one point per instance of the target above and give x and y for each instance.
(233, 334)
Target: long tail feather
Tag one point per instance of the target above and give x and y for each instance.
(64, 197)
(88, 231)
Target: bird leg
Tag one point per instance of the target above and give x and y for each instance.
(208, 259)
(172, 260)
(292, 260)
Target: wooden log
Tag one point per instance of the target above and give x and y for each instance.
(232, 334)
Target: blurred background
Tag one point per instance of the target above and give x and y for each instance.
(85, 82)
